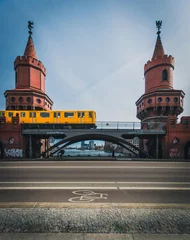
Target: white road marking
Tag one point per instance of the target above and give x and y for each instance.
(58, 182)
(153, 183)
(93, 182)
(87, 196)
(36, 188)
(153, 188)
(111, 188)
(89, 167)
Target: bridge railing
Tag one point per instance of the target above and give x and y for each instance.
(129, 125)
(101, 125)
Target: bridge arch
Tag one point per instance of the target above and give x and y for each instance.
(66, 141)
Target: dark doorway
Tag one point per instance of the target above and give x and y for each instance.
(1, 150)
(187, 150)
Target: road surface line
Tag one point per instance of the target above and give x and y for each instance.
(54, 188)
(153, 183)
(154, 188)
(89, 167)
(89, 187)
(57, 182)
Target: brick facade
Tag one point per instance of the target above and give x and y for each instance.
(28, 94)
(162, 103)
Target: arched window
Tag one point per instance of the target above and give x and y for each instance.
(164, 75)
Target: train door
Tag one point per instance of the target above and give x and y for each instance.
(56, 116)
(81, 117)
(33, 117)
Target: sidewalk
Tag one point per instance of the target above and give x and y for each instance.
(91, 236)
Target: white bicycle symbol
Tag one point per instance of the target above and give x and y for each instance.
(87, 196)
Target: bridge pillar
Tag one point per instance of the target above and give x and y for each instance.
(30, 146)
(157, 149)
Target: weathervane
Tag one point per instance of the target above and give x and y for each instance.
(30, 26)
(158, 25)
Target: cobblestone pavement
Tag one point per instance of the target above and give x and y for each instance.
(77, 220)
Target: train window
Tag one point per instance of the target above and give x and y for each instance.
(10, 114)
(80, 114)
(69, 114)
(56, 115)
(44, 114)
(90, 114)
(32, 114)
(2, 114)
(22, 114)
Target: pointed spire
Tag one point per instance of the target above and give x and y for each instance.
(159, 49)
(30, 50)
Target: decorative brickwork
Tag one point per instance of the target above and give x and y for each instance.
(160, 99)
(29, 92)
(162, 103)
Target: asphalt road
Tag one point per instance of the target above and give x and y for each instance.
(95, 182)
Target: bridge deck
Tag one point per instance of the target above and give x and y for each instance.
(46, 130)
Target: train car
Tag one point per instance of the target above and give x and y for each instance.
(70, 118)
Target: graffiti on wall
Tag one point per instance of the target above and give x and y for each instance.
(174, 152)
(13, 152)
(11, 140)
(175, 140)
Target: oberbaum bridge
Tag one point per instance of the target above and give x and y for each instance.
(159, 133)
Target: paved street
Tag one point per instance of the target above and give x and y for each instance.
(70, 200)
(95, 182)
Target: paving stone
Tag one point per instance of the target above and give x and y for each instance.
(41, 236)
(161, 237)
(18, 236)
(107, 236)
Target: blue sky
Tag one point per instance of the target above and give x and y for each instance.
(94, 51)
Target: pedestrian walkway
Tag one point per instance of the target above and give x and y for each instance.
(91, 236)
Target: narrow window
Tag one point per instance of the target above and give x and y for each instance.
(56, 115)
(164, 75)
(185, 121)
(32, 114)
(2, 114)
(80, 114)
(16, 80)
(22, 114)
(90, 114)
(10, 114)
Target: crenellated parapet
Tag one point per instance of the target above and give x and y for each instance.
(29, 61)
(166, 60)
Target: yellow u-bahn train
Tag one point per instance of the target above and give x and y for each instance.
(74, 119)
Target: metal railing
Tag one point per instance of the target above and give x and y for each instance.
(102, 125)
(130, 125)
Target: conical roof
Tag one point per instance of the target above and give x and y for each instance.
(159, 49)
(30, 50)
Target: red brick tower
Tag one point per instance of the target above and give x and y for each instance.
(30, 73)
(160, 99)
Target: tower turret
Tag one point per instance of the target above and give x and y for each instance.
(160, 99)
(30, 73)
